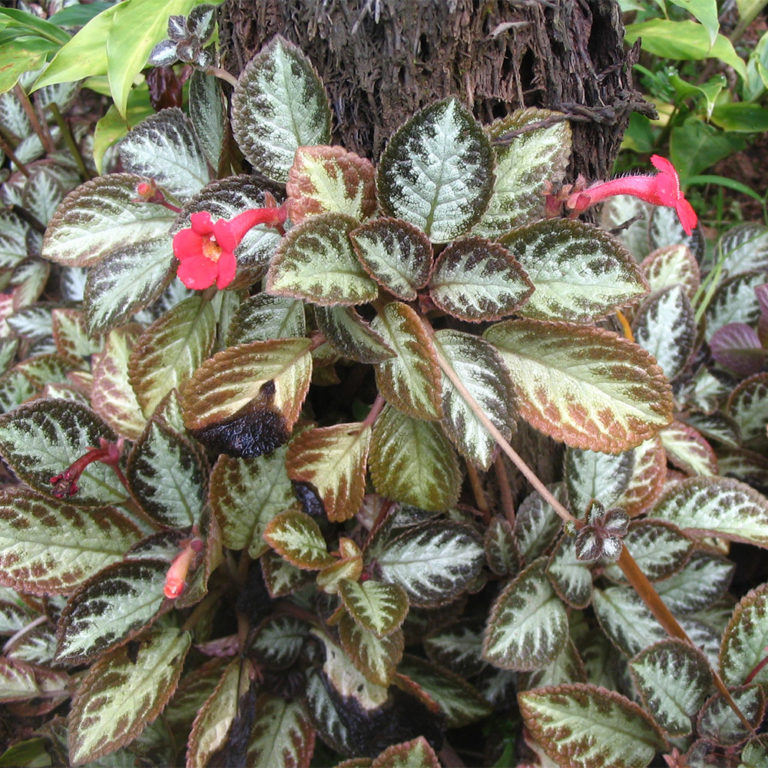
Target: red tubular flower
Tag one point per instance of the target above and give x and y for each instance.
(176, 578)
(661, 189)
(206, 249)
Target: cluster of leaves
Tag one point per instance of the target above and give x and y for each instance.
(311, 428)
(704, 115)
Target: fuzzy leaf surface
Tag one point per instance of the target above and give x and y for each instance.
(410, 754)
(501, 548)
(748, 407)
(672, 265)
(687, 449)
(745, 639)
(278, 641)
(648, 476)
(281, 735)
(42, 439)
(584, 726)
(528, 624)
(376, 658)
(481, 370)
(247, 398)
(297, 538)
(395, 253)
(719, 723)
(437, 171)
(522, 167)
(626, 620)
(537, 523)
(585, 386)
(350, 335)
(168, 352)
(674, 681)
(580, 273)
(716, 507)
(165, 148)
(100, 218)
(246, 494)
(263, 317)
(593, 475)
(734, 302)
(315, 261)
(570, 577)
(433, 562)
(50, 547)
(114, 605)
(120, 694)
(745, 248)
(279, 105)
(380, 608)
(476, 280)
(411, 380)
(413, 462)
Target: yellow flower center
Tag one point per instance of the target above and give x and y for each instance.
(211, 249)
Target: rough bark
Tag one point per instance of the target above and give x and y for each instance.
(381, 60)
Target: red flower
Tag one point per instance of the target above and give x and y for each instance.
(108, 453)
(661, 189)
(176, 578)
(206, 250)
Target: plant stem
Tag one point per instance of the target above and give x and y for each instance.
(477, 491)
(507, 502)
(14, 639)
(222, 74)
(69, 140)
(625, 326)
(373, 414)
(5, 145)
(43, 133)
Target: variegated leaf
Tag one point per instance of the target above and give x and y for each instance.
(245, 400)
(658, 547)
(379, 608)
(208, 114)
(263, 317)
(459, 701)
(395, 254)
(745, 640)
(747, 466)
(672, 265)
(524, 165)
(570, 576)
(328, 714)
(647, 481)
(191, 694)
(699, 584)
(688, 450)
(458, 647)
(349, 565)
(716, 507)
(737, 348)
(665, 326)
(477, 280)
(112, 395)
(580, 273)
(748, 407)
(326, 179)
(433, 562)
(47, 369)
(100, 218)
(278, 641)
(17, 681)
(734, 302)
(528, 624)
(280, 577)
(482, 372)
(664, 227)
(537, 524)
(410, 381)
(410, 754)
(246, 494)
(279, 105)
(316, 262)
(585, 386)
(297, 537)
(705, 391)
(281, 735)
(437, 171)
(718, 722)
(592, 475)
(165, 148)
(49, 547)
(374, 657)
(333, 459)
(755, 753)
(501, 549)
(350, 335)
(71, 336)
(214, 719)
(114, 605)
(674, 680)
(745, 248)
(41, 439)
(122, 693)
(626, 620)
(584, 726)
(167, 353)
(412, 461)
(566, 667)
(168, 476)
(125, 281)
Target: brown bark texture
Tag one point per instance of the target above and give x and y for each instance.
(382, 60)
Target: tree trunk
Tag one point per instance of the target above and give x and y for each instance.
(382, 60)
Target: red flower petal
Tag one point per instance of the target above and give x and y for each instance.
(665, 166)
(187, 244)
(227, 265)
(687, 215)
(225, 237)
(198, 273)
(201, 223)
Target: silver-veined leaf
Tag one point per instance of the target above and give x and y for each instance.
(585, 386)
(281, 735)
(524, 164)
(350, 335)
(416, 753)
(380, 608)
(208, 114)
(648, 476)
(433, 562)
(537, 523)
(748, 407)
(626, 620)
(734, 302)
(672, 265)
(458, 647)
(263, 317)
(121, 694)
(570, 577)
(374, 657)
(295, 536)
(501, 549)
(436, 172)
(315, 261)
(745, 247)
(698, 585)
(745, 639)
(279, 105)
(528, 624)
(584, 726)
(593, 475)
(50, 547)
(579, 272)
(719, 723)
(412, 461)
(687, 449)
(278, 640)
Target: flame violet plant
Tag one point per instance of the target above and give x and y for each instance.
(276, 502)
